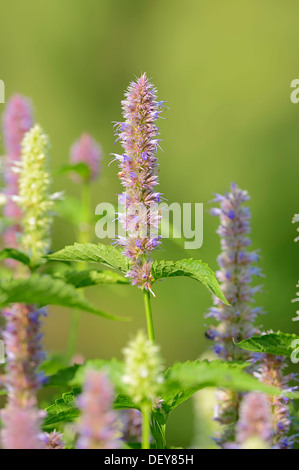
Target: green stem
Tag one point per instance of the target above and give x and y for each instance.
(84, 228)
(73, 336)
(83, 237)
(149, 316)
(146, 426)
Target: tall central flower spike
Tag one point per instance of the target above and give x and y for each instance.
(138, 135)
(17, 120)
(237, 269)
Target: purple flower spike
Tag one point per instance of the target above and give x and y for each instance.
(131, 425)
(271, 372)
(98, 428)
(254, 429)
(24, 351)
(235, 275)
(234, 322)
(22, 427)
(17, 120)
(138, 136)
(255, 419)
(87, 150)
(22, 338)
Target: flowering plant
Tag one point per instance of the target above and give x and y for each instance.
(112, 404)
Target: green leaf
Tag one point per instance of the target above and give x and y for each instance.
(113, 367)
(91, 277)
(62, 377)
(17, 255)
(184, 379)
(272, 343)
(45, 290)
(74, 376)
(104, 254)
(81, 169)
(123, 402)
(200, 374)
(52, 364)
(191, 268)
(63, 410)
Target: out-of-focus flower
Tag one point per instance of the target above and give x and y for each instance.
(138, 135)
(22, 424)
(34, 196)
(255, 419)
(87, 150)
(254, 429)
(22, 338)
(17, 120)
(98, 425)
(24, 351)
(131, 425)
(271, 372)
(143, 369)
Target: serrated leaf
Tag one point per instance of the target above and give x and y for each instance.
(91, 277)
(123, 402)
(12, 253)
(184, 379)
(45, 290)
(63, 410)
(195, 269)
(272, 343)
(90, 252)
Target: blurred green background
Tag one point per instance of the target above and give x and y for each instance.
(225, 70)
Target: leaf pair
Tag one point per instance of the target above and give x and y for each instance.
(59, 288)
(112, 257)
